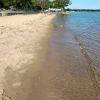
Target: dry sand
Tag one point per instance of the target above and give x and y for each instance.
(20, 42)
(36, 67)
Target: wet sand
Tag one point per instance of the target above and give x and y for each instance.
(56, 70)
(66, 74)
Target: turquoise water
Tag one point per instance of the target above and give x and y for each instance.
(86, 28)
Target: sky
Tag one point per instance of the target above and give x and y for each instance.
(85, 4)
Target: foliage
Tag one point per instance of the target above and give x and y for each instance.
(44, 4)
(1, 4)
(60, 3)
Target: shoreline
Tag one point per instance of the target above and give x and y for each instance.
(75, 61)
(42, 64)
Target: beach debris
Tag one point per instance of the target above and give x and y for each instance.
(81, 48)
(3, 96)
(61, 25)
(1, 92)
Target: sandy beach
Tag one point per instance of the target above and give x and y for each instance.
(21, 40)
(41, 58)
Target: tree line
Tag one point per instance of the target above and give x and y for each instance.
(33, 4)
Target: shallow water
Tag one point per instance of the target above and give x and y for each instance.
(86, 28)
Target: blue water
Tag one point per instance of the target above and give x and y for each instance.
(86, 27)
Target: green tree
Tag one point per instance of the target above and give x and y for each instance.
(7, 2)
(42, 3)
(1, 4)
(60, 3)
(23, 3)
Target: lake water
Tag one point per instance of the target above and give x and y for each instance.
(86, 28)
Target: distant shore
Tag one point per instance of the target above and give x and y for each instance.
(10, 12)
